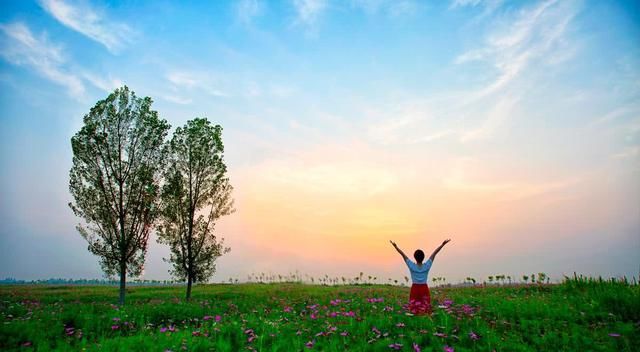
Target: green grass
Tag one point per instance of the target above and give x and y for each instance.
(578, 315)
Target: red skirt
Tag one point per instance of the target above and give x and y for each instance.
(420, 299)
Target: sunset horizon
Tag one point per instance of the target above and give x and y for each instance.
(511, 128)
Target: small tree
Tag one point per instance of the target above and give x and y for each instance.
(196, 194)
(114, 180)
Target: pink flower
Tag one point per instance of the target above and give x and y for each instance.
(314, 316)
(163, 329)
(439, 334)
(115, 327)
(207, 317)
(287, 309)
(344, 333)
(448, 349)
(473, 336)
(416, 348)
(251, 338)
(395, 346)
(195, 333)
(218, 318)
(309, 344)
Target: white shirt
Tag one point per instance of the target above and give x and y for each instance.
(419, 273)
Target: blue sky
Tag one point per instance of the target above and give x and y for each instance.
(512, 127)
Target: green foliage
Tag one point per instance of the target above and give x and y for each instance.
(572, 316)
(195, 195)
(114, 180)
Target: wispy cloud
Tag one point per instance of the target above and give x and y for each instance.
(85, 19)
(21, 47)
(308, 11)
(248, 10)
(391, 7)
(536, 33)
(204, 81)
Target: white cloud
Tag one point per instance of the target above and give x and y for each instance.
(536, 34)
(248, 10)
(106, 84)
(391, 7)
(20, 47)
(204, 81)
(308, 11)
(90, 22)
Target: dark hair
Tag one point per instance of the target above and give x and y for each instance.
(419, 255)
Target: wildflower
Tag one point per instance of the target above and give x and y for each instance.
(395, 346)
(218, 318)
(416, 348)
(287, 309)
(207, 317)
(115, 327)
(309, 344)
(448, 349)
(344, 333)
(116, 319)
(314, 316)
(473, 336)
(613, 334)
(251, 338)
(400, 325)
(333, 314)
(439, 334)
(163, 329)
(195, 333)
(349, 314)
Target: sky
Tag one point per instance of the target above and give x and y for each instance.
(511, 127)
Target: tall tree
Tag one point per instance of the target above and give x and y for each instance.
(195, 195)
(117, 161)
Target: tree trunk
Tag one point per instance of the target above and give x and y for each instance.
(123, 280)
(189, 282)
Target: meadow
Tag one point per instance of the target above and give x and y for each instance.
(578, 314)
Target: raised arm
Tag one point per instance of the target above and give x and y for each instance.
(433, 255)
(404, 256)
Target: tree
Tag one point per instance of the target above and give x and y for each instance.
(114, 180)
(196, 194)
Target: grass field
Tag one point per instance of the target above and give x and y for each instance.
(577, 315)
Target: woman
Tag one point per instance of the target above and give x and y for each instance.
(420, 297)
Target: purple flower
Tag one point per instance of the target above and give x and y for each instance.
(395, 346)
(448, 349)
(163, 329)
(115, 327)
(439, 334)
(309, 344)
(416, 348)
(473, 336)
(207, 317)
(344, 333)
(218, 318)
